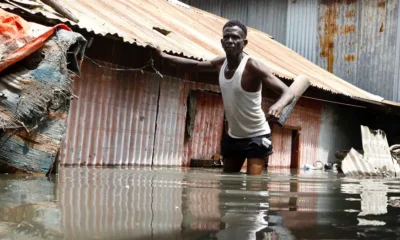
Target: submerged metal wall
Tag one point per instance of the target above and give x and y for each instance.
(112, 119)
(306, 116)
(122, 118)
(357, 40)
(130, 118)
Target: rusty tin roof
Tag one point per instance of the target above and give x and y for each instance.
(192, 33)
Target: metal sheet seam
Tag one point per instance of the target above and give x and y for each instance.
(156, 123)
(396, 77)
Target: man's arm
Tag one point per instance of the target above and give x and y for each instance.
(268, 79)
(191, 65)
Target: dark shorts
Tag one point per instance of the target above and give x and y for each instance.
(255, 147)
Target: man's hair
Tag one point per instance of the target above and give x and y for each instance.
(237, 23)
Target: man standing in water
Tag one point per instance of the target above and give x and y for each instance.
(241, 79)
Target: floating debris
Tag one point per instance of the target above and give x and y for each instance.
(377, 159)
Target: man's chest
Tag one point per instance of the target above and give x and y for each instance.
(248, 81)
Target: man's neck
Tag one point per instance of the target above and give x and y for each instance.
(234, 60)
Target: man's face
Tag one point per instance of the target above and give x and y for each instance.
(233, 40)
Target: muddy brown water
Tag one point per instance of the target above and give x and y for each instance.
(175, 203)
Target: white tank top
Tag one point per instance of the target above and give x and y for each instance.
(243, 110)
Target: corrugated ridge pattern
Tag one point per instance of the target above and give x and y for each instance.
(194, 33)
(269, 16)
(211, 6)
(307, 115)
(301, 33)
(235, 9)
(208, 126)
(112, 122)
(282, 144)
(359, 42)
(378, 41)
(170, 132)
(204, 207)
(110, 209)
(125, 118)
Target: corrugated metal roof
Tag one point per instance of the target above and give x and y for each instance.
(194, 33)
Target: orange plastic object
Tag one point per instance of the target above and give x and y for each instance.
(14, 28)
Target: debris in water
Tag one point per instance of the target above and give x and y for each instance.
(377, 159)
(365, 222)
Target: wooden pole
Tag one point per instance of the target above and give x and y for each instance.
(58, 7)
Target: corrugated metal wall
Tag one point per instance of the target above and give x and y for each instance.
(302, 29)
(378, 32)
(357, 40)
(112, 122)
(282, 143)
(268, 16)
(123, 118)
(168, 146)
(208, 127)
(307, 116)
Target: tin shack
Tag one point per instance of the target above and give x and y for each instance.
(131, 109)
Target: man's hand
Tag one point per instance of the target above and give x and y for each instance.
(274, 112)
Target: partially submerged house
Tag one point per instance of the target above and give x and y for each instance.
(131, 109)
(35, 85)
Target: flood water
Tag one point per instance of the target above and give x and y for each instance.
(169, 203)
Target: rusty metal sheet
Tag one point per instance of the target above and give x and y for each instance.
(171, 117)
(338, 38)
(208, 127)
(378, 23)
(307, 116)
(170, 146)
(359, 42)
(112, 122)
(282, 143)
(122, 118)
(194, 33)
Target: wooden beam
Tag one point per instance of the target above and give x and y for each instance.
(58, 7)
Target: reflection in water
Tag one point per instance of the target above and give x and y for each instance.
(145, 203)
(28, 208)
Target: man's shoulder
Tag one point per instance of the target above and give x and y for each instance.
(254, 64)
(218, 61)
